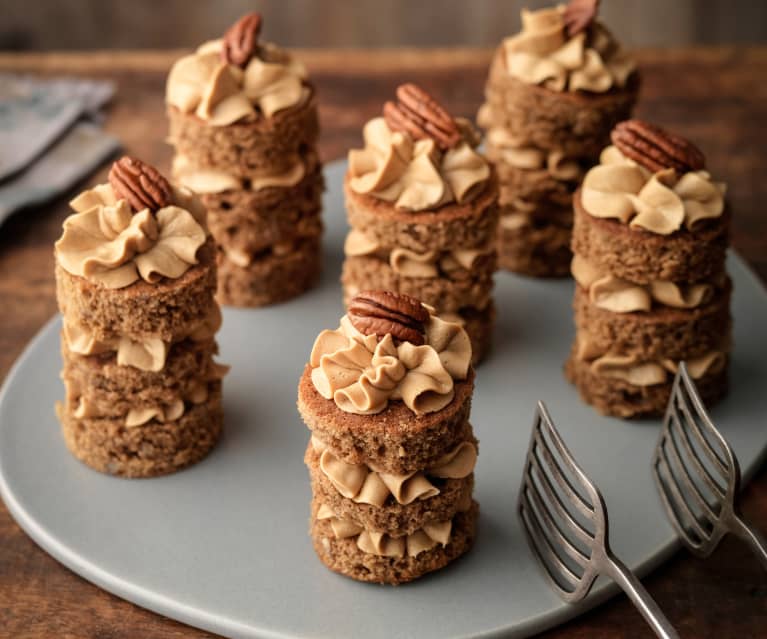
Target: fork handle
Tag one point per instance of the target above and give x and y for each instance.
(641, 599)
(755, 540)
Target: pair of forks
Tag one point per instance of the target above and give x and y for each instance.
(565, 517)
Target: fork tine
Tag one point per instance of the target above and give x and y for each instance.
(543, 551)
(674, 502)
(555, 500)
(540, 510)
(558, 474)
(684, 390)
(702, 471)
(673, 455)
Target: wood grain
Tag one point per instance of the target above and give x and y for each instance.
(715, 96)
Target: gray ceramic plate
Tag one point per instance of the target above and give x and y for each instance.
(224, 545)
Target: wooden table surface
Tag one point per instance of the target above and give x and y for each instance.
(717, 97)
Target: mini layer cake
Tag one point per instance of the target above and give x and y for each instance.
(650, 237)
(243, 122)
(391, 458)
(135, 282)
(554, 92)
(422, 204)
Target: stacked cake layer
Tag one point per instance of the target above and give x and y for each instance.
(136, 292)
(423, 216)
(245, 141)
(552, 97)
(392, 455)
(651, 287)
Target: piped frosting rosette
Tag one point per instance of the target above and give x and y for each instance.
(362, 373)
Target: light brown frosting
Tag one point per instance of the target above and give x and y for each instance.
(361, 374)
(105, 242)
(661, 202)
(148, 354)
(410, 263)
(621, 296)
(520, 155)
(364, 485)
(543, 54)
(634, 370)
(415, 175)
(222, 94)
(210, 180)
(383, 545)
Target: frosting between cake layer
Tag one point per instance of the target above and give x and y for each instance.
(210, 180)
(415, 175)
(543, 54)
(365, 485)
(149, 353)
(361, 374)
(383, 545)
(662, 202)
(641, 372)
(105, 242)
(412, 264)
(621, 296)
(222, 94)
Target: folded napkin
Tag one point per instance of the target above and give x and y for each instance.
(46, 141)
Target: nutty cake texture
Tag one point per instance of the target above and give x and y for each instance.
(650, 240)
(391, 458)
(244, 127)
(548, 113)
(135, 282)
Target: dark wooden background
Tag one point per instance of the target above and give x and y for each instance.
(718, 97)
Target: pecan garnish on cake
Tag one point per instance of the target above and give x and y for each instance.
(142, 185)
(421, 116)
(241, 40)
(579, 14)
(655, 148)
(384, 312)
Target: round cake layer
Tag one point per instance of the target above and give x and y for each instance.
(446, 294)
(452, 226)
(577, 123)
(345, 557)
(661, 333)
(395, 440)
(270, 278)
(250, 221)
(642, 257)
(618, 398)
(536, 248)
(264, 146)
(152, 449)
(479, 326)
(163, 310)
(114, 389)
(532, 187)
(393, 518)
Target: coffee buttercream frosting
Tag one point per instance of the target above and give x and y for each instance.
(222, 94)
(106, 242)
(621, 296)
(383, 545)
(364, 485)
(543, 54)
(662, 202)
(362, 374)
(415, 174)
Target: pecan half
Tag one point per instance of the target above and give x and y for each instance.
(579, 14)
(241, 40)
(420, 116)
(655, 148)
(140, 184)
(384, 312)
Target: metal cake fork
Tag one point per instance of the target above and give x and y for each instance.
(565, 521)
(698, 475)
